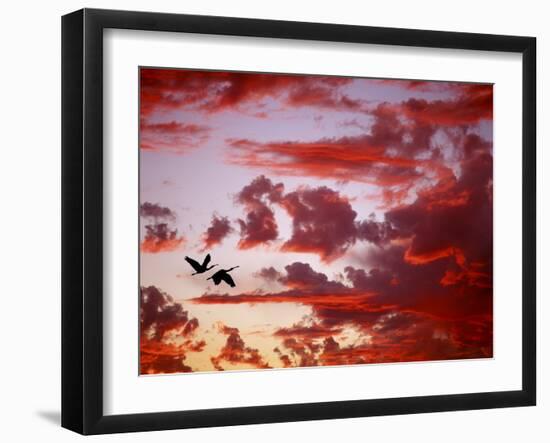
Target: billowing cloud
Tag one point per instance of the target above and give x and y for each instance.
(414, 279)
(376, 232)
(399, 150)
(444, 269)
(453, 219)
(220, 227)
(388, 153)
(235, 351)
(305, 286)
(375, 280)
(395, 304)
(285, 359)
(166, 333)
(160, 315)
(259, 227)
(425, 291)
(322, 350)
(323, 222)
(156, 211)
(302, 276)
(299, 353)
(159, 236)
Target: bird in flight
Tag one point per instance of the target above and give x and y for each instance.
(198, 267)
(223, 275)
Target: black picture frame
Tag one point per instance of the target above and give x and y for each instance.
(82, 218)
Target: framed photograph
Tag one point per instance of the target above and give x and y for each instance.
(269, 221)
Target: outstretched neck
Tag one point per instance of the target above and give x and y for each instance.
(229, 270)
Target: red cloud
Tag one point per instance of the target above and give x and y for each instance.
(285, 359)
(236, 352)
(260, 226)
(448, 298)
(162, 358)
(321, 96)
(399, 338)
(323, 222)
(220, 227)
(168, 89)
(161, 320)
(427, 257)
(302, 276)
(270, 274)
(397, 150)
(474, 103)
(311, 288)
(375, 280)
(376, 232)
(402, 337)
(172, 136)
(160, 315)
(393, 337)
(160, 238)
(156, 212)
(301, 353)
(445, 270)
(453, 218)
(346, 158)
(292, 296)
(426, 292)
(309, 331)
(395, 154)
(416, 85)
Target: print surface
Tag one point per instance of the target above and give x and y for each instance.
(307, 220)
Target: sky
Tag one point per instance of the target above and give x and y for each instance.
(359, 213)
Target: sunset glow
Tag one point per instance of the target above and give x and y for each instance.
(359, 213)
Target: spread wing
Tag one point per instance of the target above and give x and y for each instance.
(216, 277)
(194, 263)
(206, 260)
(227, 278)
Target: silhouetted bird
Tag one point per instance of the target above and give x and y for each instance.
(223, 275)
(199, 269)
